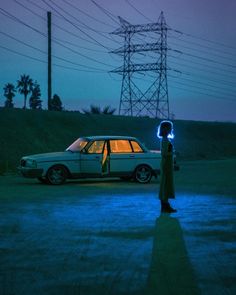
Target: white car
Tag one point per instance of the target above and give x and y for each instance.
(94, 156)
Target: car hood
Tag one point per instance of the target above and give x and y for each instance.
(67, 155)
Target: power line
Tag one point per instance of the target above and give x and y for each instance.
(231, 84)
(212, 80)
(80, 54)
(42, 61)
(205, 65)
(88, 15)
(206, 84)
(57, 42)
(139, 12)
(105, 11)
(209, 60)
(56, 25)
(76, 26)
(202, 45)
(209, 41)
(202, 93)
(76, 19)
(44, 52)
(183, 33)
(22, 42)
(14, 18)
(22, 54)
(204, 52)
(212, 95)
(86, 26)
(45, 10)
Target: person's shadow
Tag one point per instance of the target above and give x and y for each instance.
(170, 269)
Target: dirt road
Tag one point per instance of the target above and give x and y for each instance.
(107, 237)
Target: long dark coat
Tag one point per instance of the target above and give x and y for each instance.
(167, 190)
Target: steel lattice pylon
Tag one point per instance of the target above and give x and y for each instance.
(153, 101)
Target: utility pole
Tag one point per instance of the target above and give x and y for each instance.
(49, 61)
(152, 98)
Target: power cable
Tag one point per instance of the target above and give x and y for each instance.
(85, 26)
(33, 12)
(213, 95)
(138, 11)
(206, 84)
(202, 51)
(14, 18)
(80, 54)
(76, 19)
(183, 33)
(105, 11)
(44, 52)
(209, 41)
(76, 26)
(228, 83)
(57, 42)
(87, 14)
(205, 65)
(42, 61)
(202, 46)
(202, 93)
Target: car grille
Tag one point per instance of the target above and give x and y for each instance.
(23, 163)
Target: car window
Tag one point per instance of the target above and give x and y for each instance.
(96, 147)
(120, 146)
(136, 147)
(78, 145)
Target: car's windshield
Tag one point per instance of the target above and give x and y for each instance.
(78, 145)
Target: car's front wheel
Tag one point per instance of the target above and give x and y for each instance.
(143, 174)
(57, 174)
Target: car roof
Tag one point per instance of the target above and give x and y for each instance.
(106, 137)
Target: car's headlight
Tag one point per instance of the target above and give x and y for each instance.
(31, 163)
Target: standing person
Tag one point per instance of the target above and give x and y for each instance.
(167, 191)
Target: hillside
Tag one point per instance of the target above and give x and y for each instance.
(24, 132)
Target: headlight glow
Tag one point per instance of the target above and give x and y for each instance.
(31, 163)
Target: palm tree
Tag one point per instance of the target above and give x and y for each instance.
(25, 86)
(35, 102)
(9, 93)
(107, 110)
(56, 103)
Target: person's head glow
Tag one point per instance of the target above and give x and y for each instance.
(165, 129)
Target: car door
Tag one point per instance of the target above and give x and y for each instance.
(91, 159)
(122, 158)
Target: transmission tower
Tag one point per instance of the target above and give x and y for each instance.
(152, 98)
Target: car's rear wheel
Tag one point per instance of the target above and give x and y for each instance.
(143, 174)
(57, 174)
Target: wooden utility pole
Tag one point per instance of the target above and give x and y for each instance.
(49, 61)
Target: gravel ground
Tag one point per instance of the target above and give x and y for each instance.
(92, 237)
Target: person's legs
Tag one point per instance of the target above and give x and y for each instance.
(166, 208)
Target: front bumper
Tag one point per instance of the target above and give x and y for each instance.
(30, 172)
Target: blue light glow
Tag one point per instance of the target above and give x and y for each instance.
(170, 135)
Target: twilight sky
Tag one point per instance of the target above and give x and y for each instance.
(203, 30)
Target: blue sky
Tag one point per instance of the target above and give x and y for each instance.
(203, 30)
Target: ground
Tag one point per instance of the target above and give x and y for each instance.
(91, 237)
